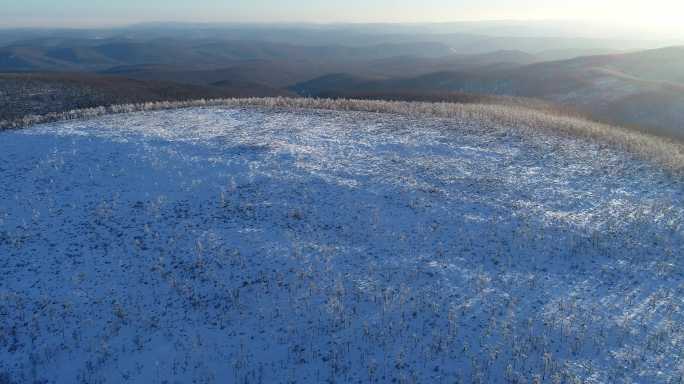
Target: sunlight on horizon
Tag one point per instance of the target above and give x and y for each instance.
(654, 15)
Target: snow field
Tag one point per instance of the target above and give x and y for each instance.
(248, 245)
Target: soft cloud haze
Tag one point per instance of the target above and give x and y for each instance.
(654, 14)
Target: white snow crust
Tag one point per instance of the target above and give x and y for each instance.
(256, 245)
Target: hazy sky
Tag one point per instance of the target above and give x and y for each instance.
(661, 13)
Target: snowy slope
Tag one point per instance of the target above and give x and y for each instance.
(253, 245)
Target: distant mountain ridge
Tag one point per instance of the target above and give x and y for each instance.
(641, 89)
(79, 55)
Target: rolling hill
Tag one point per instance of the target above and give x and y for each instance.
(623, 85)
(285, 72)
(643, 89)
(43, 93)
(92, 55)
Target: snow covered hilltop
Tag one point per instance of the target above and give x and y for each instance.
(258, 241)
(514, 113)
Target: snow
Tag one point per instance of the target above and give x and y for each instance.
(220, 245)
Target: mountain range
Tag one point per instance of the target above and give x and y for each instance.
(631, 82)
(642, 89)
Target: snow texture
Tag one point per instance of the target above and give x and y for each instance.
(256, 245)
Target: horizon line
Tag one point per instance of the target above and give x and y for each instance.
(318, 23)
